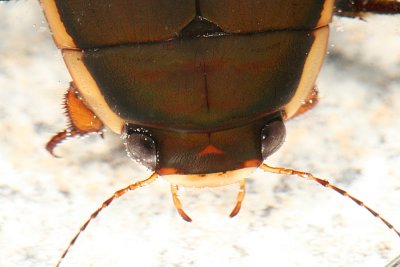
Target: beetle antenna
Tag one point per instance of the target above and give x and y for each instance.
(327, 184)
(105, 204)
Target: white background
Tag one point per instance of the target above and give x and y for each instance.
(351, 138)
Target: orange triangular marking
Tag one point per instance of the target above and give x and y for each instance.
(210, 149)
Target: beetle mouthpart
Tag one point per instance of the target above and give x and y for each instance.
(206, 180)
(178, 204)
(234, 212)
(240, 197)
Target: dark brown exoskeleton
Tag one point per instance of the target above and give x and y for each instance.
(199, 95)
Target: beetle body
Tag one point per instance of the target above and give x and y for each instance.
(202, 84)
(267, 234)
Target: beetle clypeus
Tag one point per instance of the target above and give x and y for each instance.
(180, 149)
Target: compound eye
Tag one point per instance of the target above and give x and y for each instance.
(141, 146)
(272, 137)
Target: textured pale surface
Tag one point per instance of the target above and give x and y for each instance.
(352, 138)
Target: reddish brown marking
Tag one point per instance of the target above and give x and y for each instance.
(170, 45)
(81, 119)
(167, 171)
(251, 163)
(210, 149)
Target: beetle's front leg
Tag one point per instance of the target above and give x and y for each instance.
(356, 8)
(82, 120)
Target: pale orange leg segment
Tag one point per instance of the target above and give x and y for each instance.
(178, 204)
(81, 119)
(240, 197)
(310, 102)
(327, 184)
(105, 204)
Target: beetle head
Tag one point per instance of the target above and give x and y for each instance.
(205, 159)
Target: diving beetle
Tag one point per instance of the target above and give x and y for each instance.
(200, 94)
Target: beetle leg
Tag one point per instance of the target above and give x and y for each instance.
(58, 138)
(240, 198)
(82, 120)
(178, 204)
(310, 102)
(357, 8)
